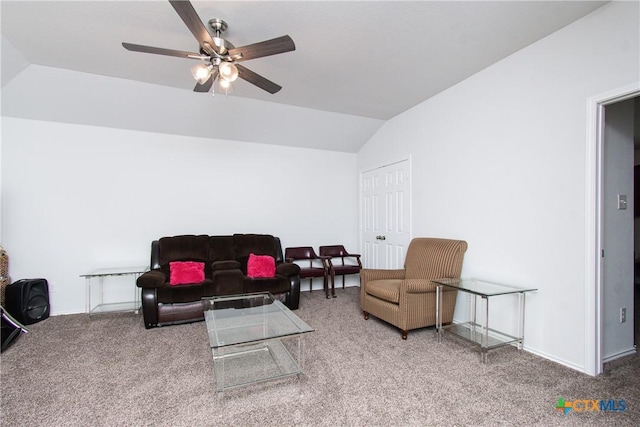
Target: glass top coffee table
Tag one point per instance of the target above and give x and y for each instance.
(476, 332)
(253, 338)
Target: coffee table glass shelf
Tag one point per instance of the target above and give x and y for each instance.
(253, 338)
(479, 333)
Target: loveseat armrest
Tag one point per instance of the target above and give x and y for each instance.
(225, 265)
(152, 279)
(288, 269)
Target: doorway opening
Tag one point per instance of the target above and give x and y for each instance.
(595, 287)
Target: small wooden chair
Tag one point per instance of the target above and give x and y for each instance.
(311, 265)
(337, 266)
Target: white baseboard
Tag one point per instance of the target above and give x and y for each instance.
(555, 359)
(619, 355)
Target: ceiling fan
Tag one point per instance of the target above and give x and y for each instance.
(219, 58)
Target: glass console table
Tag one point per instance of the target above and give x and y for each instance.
(479, 333)
(103, 273)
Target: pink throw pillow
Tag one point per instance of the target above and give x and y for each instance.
(186, 272)
(261, 266)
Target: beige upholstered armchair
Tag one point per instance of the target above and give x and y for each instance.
(406, 298)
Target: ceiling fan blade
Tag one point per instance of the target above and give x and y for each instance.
(265, 48)
(160, 51)
(205, 87)
(194, 23)
(256, 79)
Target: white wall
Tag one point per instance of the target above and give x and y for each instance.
(78, 197)
(499, 160)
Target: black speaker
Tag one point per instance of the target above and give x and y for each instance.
(27, 300)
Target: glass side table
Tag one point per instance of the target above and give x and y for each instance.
(103, 273)
(479, 333)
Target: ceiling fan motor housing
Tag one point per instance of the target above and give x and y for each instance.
(218, 26)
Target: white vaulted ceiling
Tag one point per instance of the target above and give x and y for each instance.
(356, 63)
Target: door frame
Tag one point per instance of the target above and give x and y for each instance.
(593, 364)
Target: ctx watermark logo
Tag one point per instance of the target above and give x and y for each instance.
(590, 405)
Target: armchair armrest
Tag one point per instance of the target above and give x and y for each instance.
(417, 286)
(368, 274)
(152, 279)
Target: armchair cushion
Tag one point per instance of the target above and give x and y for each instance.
(186, 272)
(261, 266)
(386, 289)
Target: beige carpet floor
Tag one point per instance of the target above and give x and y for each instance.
(108, 370)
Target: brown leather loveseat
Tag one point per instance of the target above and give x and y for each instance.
(172, 293)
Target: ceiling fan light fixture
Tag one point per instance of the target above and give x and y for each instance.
(201, 73)
(225, 85)
(228, 71)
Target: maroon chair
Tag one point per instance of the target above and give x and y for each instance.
(311, 265)
(336, 255)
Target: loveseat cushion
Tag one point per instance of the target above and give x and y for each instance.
(184, 248)
(221, 248)
(259, 244)
(225, 265)
(185, 293)
(228, 282)
(275, 285)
